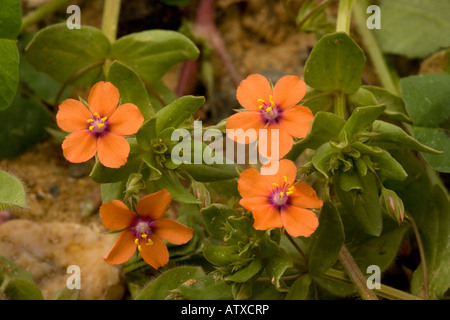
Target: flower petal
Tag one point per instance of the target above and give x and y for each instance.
(113, 150)
(267, 145)
(305, 197)
(103, 98)
(122, 250)
(253, 203)
(79, 146)
(126, 120)
(266, 217)
(251, 89)
(154, 205)
(252, 184)
(172, 231)
(115, 215)
(155, 254)
(72, 116)
(286, 168)
(298, 221)
(296, 121)
(249, 122)
(288, 91)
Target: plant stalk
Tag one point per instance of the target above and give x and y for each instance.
(110, 19)
(42, 12)
(386, 292)
(389, 80)
(344, 16)
(355, 275)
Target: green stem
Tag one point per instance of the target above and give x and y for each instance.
(388, 78)
(42, 12)
(110, 19)
(296, 246)
(344, 16)
(355, 275)
(110, 22)
(384, 291)
(340, 104)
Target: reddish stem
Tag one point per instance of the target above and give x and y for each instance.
(205, 27)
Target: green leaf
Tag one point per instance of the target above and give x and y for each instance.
(205, 288)
(221, 255)
(324, 128)
(327, 240)
(363, 205)
(112, 191)
(215, 218)
(12, 193)
(9, 72)
(335, 62)
(152, 53)
(102, 174)
(23, 125)
(359, 120)
(67, 294)
(369, 250)
(174, 114)
(22, 289)
(435, 235)
(211, 172)
(170, 182)
(299, 290)
(395, 107)
(322, 156)
(427, 99)
(414, 28)
(276, 267)
(10, 19)
(387, 166)
(246, 273)
(350, 180)
(69, 54)
(158, 289)
(391, 136)
(131, 88)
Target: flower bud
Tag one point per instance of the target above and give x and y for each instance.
(393, 205)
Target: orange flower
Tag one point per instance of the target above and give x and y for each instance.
(144, 230)
(276, 201)
(272, 109)
(99, 129)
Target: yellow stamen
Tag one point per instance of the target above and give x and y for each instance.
(261, 100)
(271, 101)
(288, 193)
(275, 184)
(96, 114)
(139, 248)
(136, 241)
(101, 125)
(90, 120)
(282, 194)
(260, 107)
(91, 128)
(149, 242)
(104, 119)
(269, 109)
(143, 236)
(285, 179)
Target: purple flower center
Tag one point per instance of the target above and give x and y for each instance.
(280, 195)
(270, 112)
(142, 230)
(98, 125)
